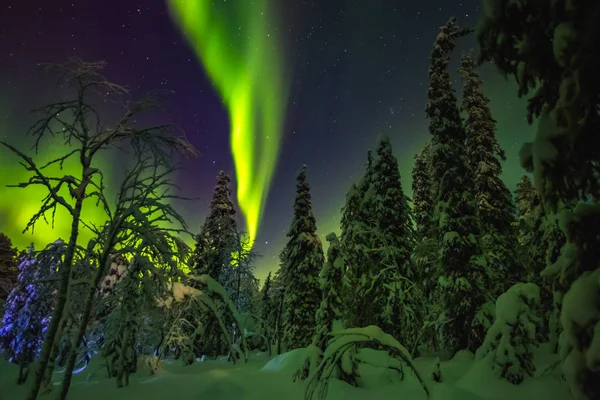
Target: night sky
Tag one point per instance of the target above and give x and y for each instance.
(354, 69)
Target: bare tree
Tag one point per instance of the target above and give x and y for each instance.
(85, 135)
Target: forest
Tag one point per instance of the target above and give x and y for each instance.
(456, 288)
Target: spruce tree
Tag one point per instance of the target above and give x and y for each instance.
(462, 266)
(356, 238)
(329, 312)
(218, 234)
(495, 208)
(302, 259)
(265, 299)
(392, 301)
(216, 240)
(422, 192)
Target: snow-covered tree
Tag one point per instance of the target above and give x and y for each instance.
(356, 224)
(329, 315)
(142, 287)
(218, 234)
(329, 312)
(276, 317)
(512, 338)
(85, 137)
(545, 47)
(265, 299)
(237, 275)
(212, 254)
(12, 323)
(526, 200)
(579, 341)
(30, 305)
(495, 208)
(302, 259)
(8, 267)
(422, 194)
(392, 295)
(462, 268)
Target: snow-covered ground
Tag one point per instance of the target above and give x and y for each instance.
(463, 378)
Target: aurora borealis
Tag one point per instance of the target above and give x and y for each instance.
(312, 83)
(238, 46)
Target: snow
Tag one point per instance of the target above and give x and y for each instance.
(463, 379)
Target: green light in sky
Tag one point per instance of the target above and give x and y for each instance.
(236, 41)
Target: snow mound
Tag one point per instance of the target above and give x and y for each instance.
(287, 362)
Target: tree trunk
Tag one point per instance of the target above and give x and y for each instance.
(87, 311)
(61, 302)
(47, 381)
(122, 354)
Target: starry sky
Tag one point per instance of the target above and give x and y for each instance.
(354, 69)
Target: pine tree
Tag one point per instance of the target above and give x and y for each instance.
(495, 208)
(302, 259)
(462, 266)
(422, 191)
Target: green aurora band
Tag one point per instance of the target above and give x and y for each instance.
(237, 44)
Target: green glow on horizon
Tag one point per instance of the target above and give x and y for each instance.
(18, 205)
(238, 46)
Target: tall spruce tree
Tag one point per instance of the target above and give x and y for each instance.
(329, 312)
(462, 268)
(302, 260)
(495, 208)
(217, 238)
(218, 234)
(392, 298)
(356, 240)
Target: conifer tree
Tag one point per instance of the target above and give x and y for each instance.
(12, 324)
(392, 299)
(329, 311)
(302, 259)
(213, 246)
(356, 226)
(422, 191)
(8, 266)
(462, 266)
(266, 311)
(548, 48)
(30, 305)
(526, 200)
(265, 298)
(277, 314)
(218, 234)
(495, 208)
